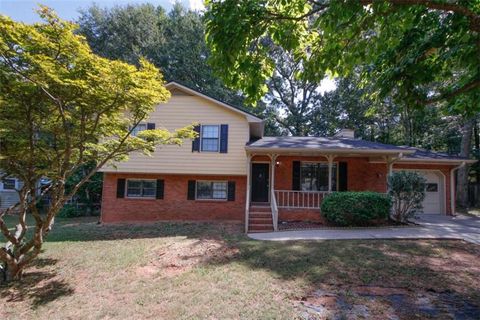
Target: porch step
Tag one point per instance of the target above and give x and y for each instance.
(260, 204)
(260, 220)
(260, 227)
(260, 209)
(260, 215)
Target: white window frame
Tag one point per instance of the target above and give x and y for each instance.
(141, 197)
(335, 163)
(218, 139)
(10, 190)
(211, 199)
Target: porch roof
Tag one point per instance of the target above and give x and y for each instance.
(323, 144)
(337, 145)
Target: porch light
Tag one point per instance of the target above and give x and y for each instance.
(277, 164)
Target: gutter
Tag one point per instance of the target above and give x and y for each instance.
(267, 150)
(452, 187)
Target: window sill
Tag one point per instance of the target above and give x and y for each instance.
(211, 200)
(141, 198)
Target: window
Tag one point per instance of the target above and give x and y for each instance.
(141, 188)
(210, 138)
(432, 187)
(314, 176)
(138, 128)
(8, 184)
(216, 190)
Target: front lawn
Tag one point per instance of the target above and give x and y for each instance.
(213, 271)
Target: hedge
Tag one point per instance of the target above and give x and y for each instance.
(355, 208)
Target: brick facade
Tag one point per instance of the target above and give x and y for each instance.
(362, 175)
(174, 205)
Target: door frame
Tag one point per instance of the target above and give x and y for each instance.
(269, 177)
(443, 178)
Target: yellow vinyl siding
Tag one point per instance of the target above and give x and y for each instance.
(178, 112)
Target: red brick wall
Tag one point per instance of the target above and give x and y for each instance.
(174, 205)
(362, 175)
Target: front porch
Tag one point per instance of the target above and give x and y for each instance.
(291, 187)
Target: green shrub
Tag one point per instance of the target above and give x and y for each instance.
(69, 211)
(407, 189)
(355, 208)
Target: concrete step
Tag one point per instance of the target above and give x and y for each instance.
(264, 220)
(260, 227)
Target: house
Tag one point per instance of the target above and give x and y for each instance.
(8, 192)
(233, 172)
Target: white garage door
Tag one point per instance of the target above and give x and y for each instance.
(433, 202)
(434, 199)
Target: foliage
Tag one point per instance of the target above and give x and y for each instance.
(63, 107)
(355, 208)
(407, 189)
(68, 211)
(89, 195)
(173, 42)
(416, 51)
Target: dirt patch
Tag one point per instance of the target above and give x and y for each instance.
(374, 302)
(181, 256)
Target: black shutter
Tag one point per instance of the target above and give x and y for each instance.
(160, 188)
(224, 138)
(191, 190)
(231, 191)
(121, 188)
(296, 175)
(150, 126)
(342, 176)
(196, 141)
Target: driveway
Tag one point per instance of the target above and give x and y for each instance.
(430, 226)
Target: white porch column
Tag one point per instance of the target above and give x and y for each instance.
(390, 161)
(330, 166)
(247, 196)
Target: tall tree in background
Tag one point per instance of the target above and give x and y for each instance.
(416, 52)
(174, 42)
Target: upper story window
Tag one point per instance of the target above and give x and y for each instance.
(138, 128)
(314, 176)
(9, 184)
(210, 138)
(141, 188)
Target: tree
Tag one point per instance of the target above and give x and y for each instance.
(173, 42)
(417, 52)
(62, 107)
(407, 190)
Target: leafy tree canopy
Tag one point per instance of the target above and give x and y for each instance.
(417, 51)
(63, 107)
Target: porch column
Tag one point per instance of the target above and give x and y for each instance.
(273, 200)
(330, 166)
(390, 161)
(247, 196)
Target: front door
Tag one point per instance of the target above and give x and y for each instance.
(260, 181)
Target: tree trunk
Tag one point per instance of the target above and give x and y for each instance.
(462, 177)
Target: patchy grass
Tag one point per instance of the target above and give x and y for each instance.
(213, 271)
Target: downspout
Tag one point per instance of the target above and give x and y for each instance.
(452, 187)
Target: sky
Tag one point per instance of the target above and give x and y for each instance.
(24, 10)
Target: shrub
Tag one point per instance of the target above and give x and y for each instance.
(69, 211)
(355, 208)
(407, 189)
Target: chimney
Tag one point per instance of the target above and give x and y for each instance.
(345, 133)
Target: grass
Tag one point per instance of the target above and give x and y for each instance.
(213, 271)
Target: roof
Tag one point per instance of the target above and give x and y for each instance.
(250, 116)
(350, 145)
(322, 144)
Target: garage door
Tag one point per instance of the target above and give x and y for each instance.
(434, 199)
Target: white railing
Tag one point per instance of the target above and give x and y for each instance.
(273, 204)
(292, 199)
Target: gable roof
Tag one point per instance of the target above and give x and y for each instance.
(250, 116)
(349, 145)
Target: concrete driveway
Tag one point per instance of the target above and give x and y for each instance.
(430, 226)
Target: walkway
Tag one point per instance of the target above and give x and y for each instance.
(431, 227)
